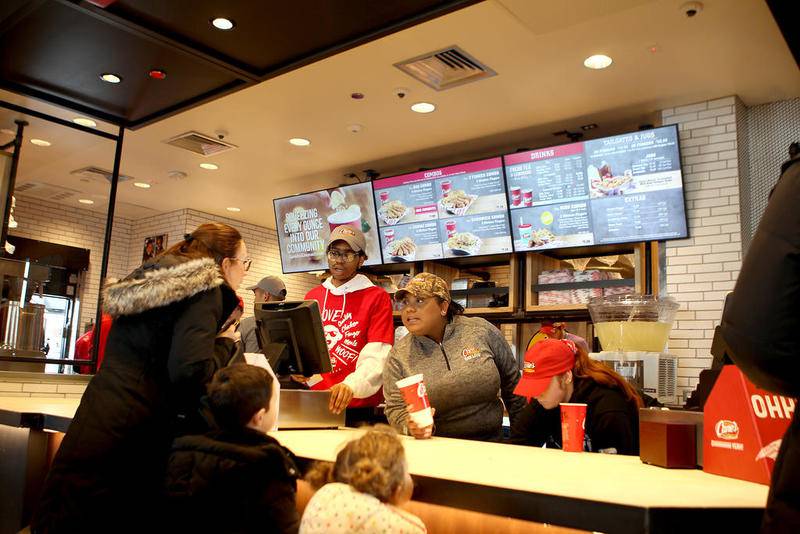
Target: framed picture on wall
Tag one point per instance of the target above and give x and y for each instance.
(153, 246)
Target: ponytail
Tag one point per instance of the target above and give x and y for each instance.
(602, 374)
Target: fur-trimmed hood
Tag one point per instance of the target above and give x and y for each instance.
(160, 283)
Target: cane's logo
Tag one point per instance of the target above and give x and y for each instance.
(421, 391)
(529, 367)
(726, 429)
(470, 353)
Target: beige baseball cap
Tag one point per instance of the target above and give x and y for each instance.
(425, 285)
(351, 236)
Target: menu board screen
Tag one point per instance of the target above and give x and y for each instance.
(460, 210)
(305, 222)
(616, 189)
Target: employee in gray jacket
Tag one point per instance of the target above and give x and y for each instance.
(466, 362)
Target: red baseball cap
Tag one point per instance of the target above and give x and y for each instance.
(543, 361)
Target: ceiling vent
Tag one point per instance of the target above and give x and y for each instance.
(44, 191)
(445, 68)
(96, 174)
(200, 144)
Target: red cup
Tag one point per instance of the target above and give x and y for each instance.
(573, 426)
(384, 196)
(516, 196)
(527, 197)
(416, 397)
(446, 186)
(451, 228)
(389, 235)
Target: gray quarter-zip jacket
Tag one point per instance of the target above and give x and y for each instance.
(465, 376)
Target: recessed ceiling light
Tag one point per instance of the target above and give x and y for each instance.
(7, 131)
(209, 166)
(86, 201)
(222, 23)
(598, 61)
(299, 141)
(141, 185)
(40, 142)
(423, 107)
(233, 209)
(83, 121)
(110, 77)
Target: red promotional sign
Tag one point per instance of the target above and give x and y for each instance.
(742, 428)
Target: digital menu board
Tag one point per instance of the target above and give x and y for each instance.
(304, 223)
(460, 210)
(618, 189)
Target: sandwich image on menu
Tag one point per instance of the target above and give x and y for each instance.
(553, 226)
(411, 242)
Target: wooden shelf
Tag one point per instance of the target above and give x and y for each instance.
(488, 311)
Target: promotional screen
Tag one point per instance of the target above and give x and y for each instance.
(305, 221)
(616, 189)
(460, 210)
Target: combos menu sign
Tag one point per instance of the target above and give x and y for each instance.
(610, 190)
(304, 223)
(459, 210)
(742, 428)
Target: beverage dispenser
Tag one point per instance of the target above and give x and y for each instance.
(633, 332)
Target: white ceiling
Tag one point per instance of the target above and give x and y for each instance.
(537, 49)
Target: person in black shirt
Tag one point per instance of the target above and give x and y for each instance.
(557, 371)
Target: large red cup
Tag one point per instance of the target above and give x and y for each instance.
(573, 426)
(416, 397)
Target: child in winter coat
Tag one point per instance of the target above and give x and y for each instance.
(363, 489)
(235, 479)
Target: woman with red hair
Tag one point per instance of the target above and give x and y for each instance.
(557, 371)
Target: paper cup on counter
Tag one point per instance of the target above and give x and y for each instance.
(573, 425)
(416, 398)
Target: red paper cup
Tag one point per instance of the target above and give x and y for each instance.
(416, 397)
(573, 424)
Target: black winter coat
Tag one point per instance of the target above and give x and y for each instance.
(612, 421)
(233, 482)
(109, 470)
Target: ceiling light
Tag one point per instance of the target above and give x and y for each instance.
(233, 209)
(423, 107)
(7, 131)
(85, 201)
(110, 77)
(222, 23)
(209, 166)
(141, 185)
(157, 74)
(299, 141)
(40, 142)
(598, 61)
(83, 121)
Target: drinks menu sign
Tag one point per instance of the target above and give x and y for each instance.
(460, 210)
(305, 222)
(611, 190)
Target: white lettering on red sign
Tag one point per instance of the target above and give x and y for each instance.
(772, 406)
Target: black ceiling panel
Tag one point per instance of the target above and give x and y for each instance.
(60, 47)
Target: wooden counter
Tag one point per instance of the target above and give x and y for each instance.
(580, 490)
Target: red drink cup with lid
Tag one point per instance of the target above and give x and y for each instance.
(416, 398)
(446, 186)
(573, 426)
(384, 196)
(527, 197)
(451, 228)
(516, 196)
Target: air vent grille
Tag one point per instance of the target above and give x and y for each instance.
(45, 191)
(96, 174)
(445, 68)
(200, 144)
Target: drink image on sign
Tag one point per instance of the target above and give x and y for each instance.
(527, 197)
(415, 396)
(389, 235)
(384, 196)
(446, 186)
(451, 228)
(516, 196)
(348, 217)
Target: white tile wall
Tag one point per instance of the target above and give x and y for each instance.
(702, 269)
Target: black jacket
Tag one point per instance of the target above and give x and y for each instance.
(231, 482)
(612, 421)
(160, 354)
(761, 321)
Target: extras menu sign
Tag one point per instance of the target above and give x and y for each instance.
(460, 210)
(304, 223)
(611, 190)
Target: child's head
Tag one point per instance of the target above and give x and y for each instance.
(374, 464)
(243, 395)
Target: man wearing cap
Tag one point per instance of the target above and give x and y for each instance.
(558, 371)
(466, 363)
(357, 318)
(268, 289)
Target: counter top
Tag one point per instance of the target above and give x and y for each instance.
(38, 413)
(580, 490)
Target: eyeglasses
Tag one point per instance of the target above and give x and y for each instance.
(411, 302)
(347, 257)
(246, 263)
